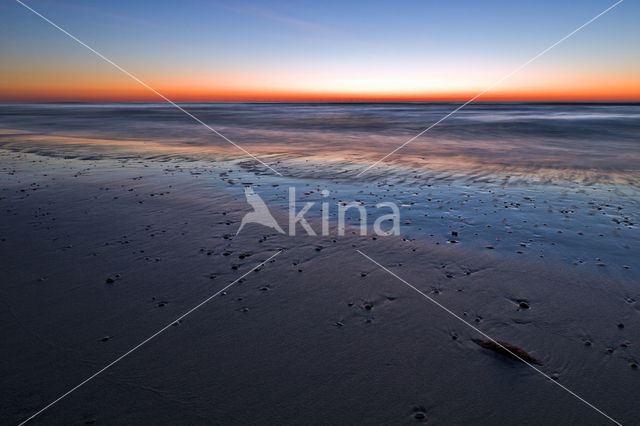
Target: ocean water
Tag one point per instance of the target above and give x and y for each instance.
(553, 181)
(580, 142)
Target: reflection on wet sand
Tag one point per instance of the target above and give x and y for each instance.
(584, 143)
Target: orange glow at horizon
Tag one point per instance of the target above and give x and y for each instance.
(109, 86)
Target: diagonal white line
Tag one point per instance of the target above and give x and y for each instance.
(491, 86)
(150, 88)
(449, 311)
(147, 340)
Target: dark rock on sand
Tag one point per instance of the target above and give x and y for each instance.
(508, 350)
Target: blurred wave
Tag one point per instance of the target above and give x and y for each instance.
(595, 141)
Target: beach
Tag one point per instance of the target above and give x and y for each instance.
(520, 220)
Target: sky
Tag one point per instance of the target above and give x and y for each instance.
(206, 50)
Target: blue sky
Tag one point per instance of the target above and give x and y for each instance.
(408, 47)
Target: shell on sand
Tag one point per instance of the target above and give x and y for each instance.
(508, 350)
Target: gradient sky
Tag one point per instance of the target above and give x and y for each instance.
(202, 50)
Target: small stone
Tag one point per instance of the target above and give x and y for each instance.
(523, 304)
(454, 233)
(508, 350)
(490, 247)
(161, 304)
(339, 324)
(367, 306)
(110, 280)
(633, 365)
(621, 325)
(419, 416)
(105, 338)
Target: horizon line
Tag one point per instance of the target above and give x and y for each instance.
(318, 101)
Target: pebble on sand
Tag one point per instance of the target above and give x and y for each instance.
(508, 350)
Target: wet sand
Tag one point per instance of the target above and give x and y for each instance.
(98, 254)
